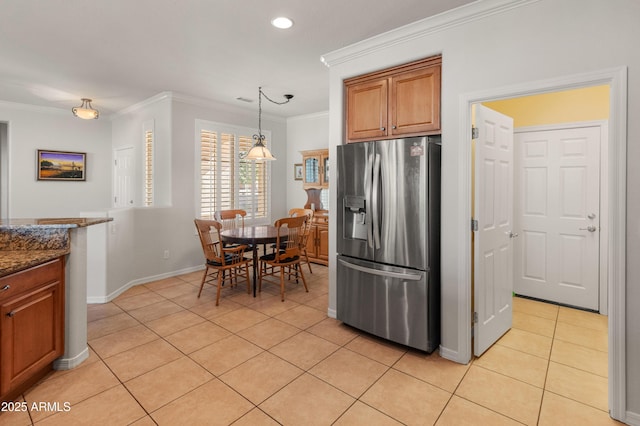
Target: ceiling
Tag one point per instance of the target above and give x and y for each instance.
(121, 52)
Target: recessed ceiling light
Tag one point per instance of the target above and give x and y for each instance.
(282, 22)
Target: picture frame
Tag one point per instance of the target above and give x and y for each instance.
(297, 171)
(61, 165)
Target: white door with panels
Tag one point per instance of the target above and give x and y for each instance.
(493, 227)
(558, 216)
(123, 177)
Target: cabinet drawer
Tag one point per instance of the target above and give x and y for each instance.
(28, 279)
(321, 220)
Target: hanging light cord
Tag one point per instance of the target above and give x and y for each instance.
(259, 138)
(287, 98)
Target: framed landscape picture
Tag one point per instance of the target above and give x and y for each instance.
(61, 165)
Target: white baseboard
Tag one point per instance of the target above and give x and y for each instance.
(632, 418)
(69, 363)
(331, 313)
(127, 286)
(451, 355)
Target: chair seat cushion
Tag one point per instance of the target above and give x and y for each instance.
(233, 245)
(227, 260)
(272, 256)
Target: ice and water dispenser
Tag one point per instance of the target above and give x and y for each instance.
(355, 224)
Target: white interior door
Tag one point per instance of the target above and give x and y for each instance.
(493, 239)
(558, 216)
(123, 178)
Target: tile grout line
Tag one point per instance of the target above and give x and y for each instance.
(546, 376)
(234, 334)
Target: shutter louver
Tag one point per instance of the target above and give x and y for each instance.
(208, 169)
(148, 168)
(228, 182)
(245, 196)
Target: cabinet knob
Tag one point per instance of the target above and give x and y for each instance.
(11, 314)
(393, 127)
(382, 128)
(6, 287)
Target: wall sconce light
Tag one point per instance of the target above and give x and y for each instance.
(85, 111)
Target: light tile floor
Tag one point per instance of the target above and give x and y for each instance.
(159, 355)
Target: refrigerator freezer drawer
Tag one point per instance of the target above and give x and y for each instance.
(389, 302)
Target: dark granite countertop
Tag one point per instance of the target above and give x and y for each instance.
(29, 242)
(16, 260)
(59, 222)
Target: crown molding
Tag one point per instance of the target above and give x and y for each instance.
(311, 116)
(459, 16)
(208, 103)
(150, 101)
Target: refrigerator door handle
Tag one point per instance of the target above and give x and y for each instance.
(374, 197)
(404, 276)
(367, 193)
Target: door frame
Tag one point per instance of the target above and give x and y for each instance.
(616, 78)
(603, 127)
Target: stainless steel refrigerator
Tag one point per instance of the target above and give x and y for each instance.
(388, 239)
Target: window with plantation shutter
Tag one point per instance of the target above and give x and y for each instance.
(224, 180)
(148, 164)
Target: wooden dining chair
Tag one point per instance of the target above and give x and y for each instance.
(288, 255)
(222, 264)
(295, 212)
(230, 219)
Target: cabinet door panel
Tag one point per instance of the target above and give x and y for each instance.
(415, 101)
(311, 242)
(323, 242)
(31, 329)
(325, 171)
(367, 110)
(311, 173)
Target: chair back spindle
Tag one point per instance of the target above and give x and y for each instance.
(230, 219)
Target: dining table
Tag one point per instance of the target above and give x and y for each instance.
(254, 236)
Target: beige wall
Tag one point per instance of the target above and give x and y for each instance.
(568, 106)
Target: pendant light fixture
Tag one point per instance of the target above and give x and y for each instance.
(259, 151)
(85, 111)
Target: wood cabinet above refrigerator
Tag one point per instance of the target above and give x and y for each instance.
(396, 102)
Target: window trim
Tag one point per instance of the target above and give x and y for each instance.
(238, 131)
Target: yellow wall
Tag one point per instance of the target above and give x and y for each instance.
(585, 104)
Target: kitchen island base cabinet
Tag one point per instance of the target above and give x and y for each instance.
(31, 325)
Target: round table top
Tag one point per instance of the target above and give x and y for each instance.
(253, 234)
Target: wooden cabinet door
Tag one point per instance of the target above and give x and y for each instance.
(323, 242)
(324, 166)
(311, 171)
(315, 164)
(397, 102)
(415, 101)
(311, 242)
(31, 334)
(367, 110)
